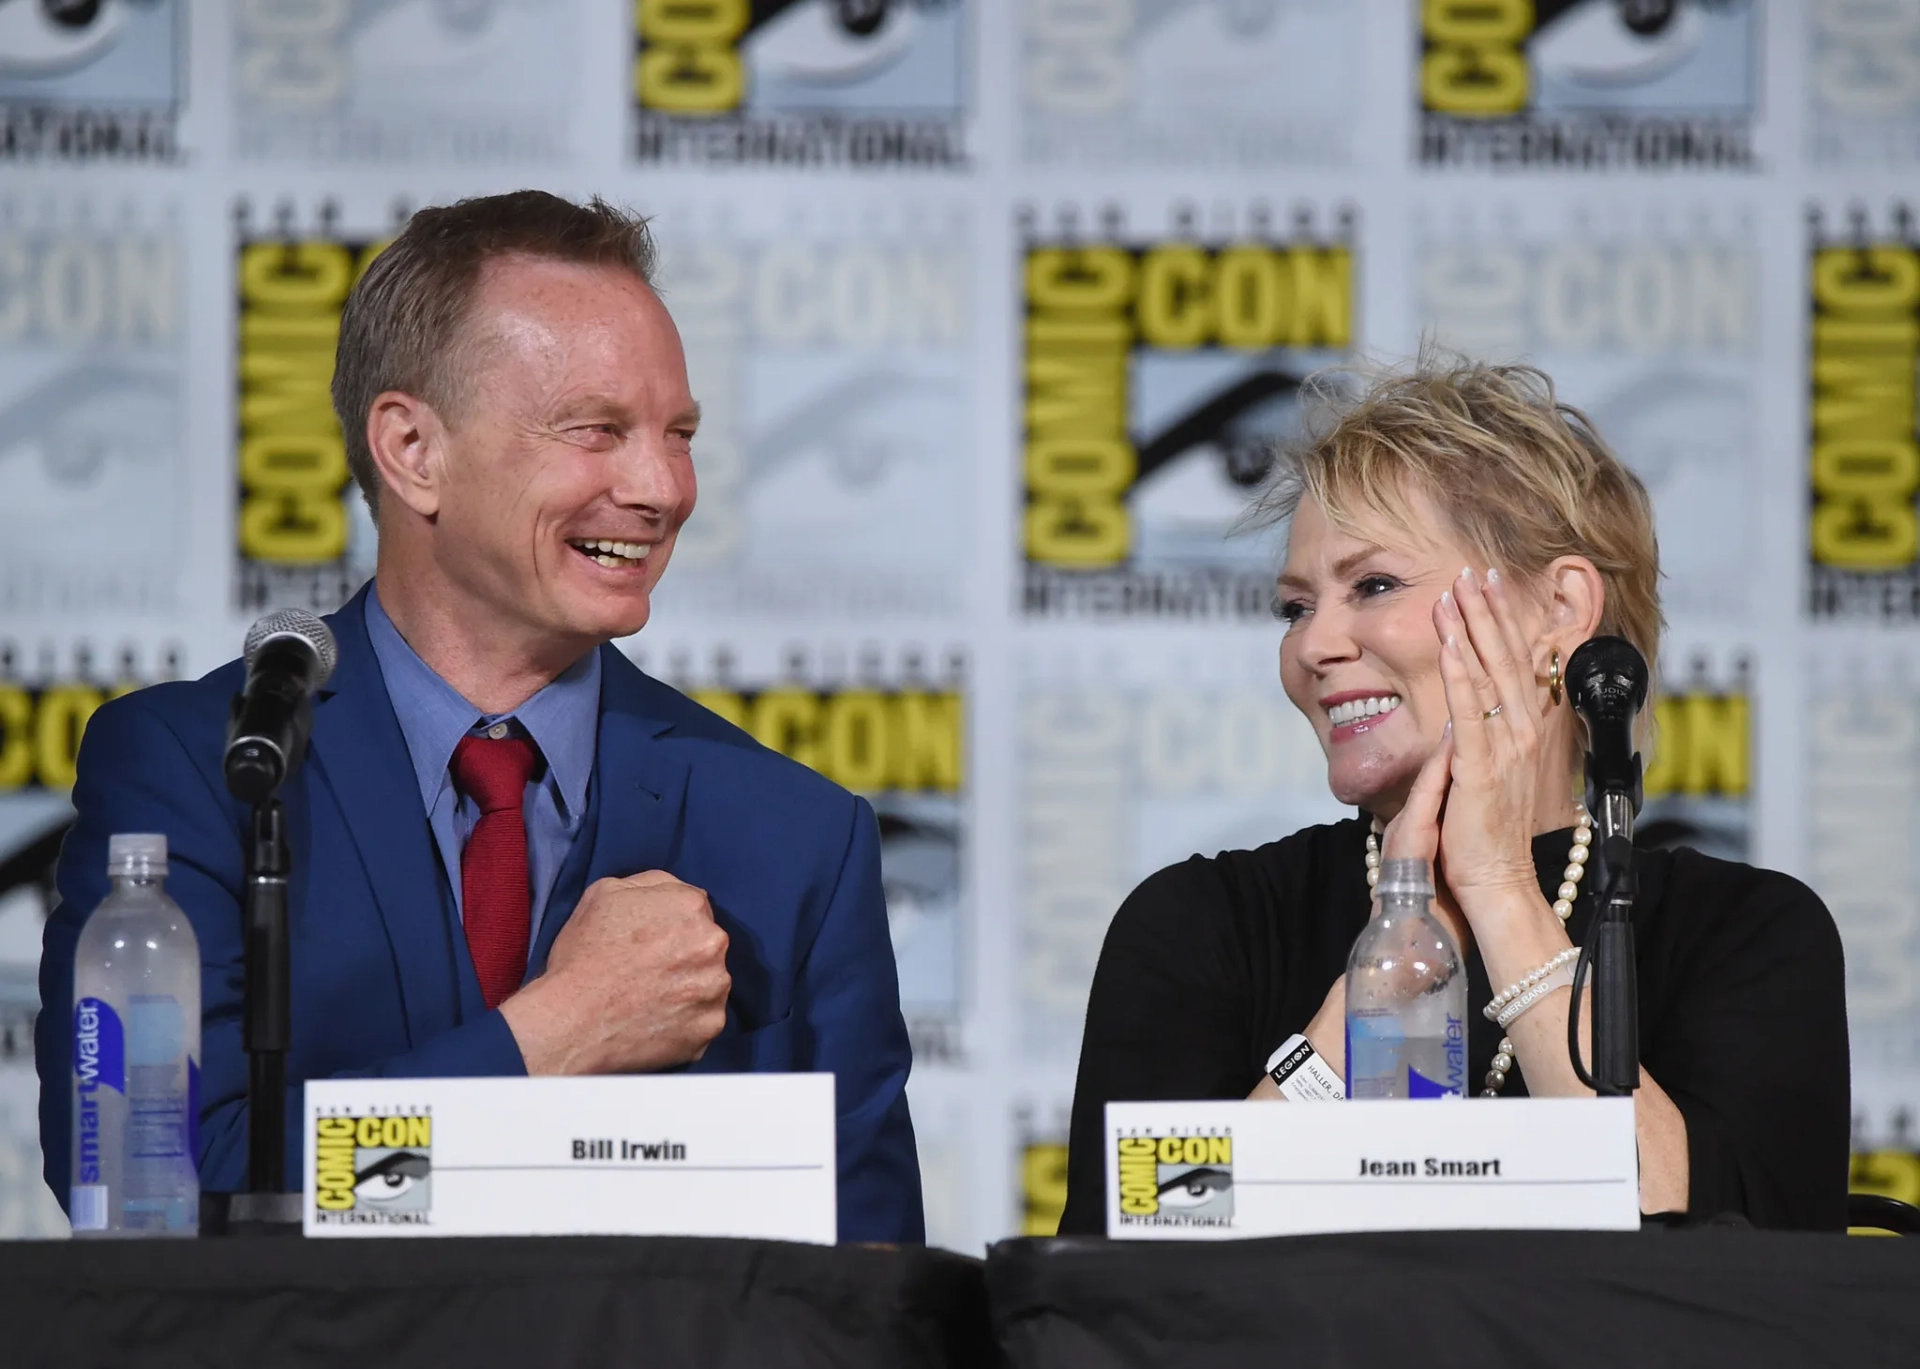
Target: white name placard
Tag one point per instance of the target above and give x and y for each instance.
(1217, 1170)
(650, 1155)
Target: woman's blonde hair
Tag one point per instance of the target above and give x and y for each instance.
(1522, 477)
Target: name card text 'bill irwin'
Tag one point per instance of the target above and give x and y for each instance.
(660, 1155)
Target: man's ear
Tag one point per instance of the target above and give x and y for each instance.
(407, 440)
(1576, 601)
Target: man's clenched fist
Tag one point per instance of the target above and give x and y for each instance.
(637, 981)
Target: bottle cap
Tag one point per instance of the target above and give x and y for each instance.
(136, 853)
(1405, 878)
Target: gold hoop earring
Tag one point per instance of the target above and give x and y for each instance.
(1553, 677)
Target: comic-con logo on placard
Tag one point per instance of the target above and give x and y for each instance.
(373, 1168)
(91, 80)
(801, 83)
(1181, 1179)
(304, 536)
(1864, 464)
(1158, 374)
(1588, 84)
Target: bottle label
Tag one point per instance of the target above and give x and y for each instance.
(1455, 1054)
(159, 1079)
(99, 1061)
(193, 1107)
(87, 1204)
(1419, 1086)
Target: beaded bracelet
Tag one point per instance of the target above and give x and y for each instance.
(1559, 979)
(1513, 991)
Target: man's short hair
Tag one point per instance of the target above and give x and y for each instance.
(402, 324)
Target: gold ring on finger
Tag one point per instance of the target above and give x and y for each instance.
(1493, 712)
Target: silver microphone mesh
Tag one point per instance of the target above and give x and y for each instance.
(296, 622)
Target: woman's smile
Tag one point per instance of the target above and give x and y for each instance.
(1356, 712)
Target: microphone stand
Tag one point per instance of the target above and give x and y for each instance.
(268, 1029)
(266, 1208)
(1609, 951)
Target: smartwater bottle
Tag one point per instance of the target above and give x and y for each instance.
(136, 1055)
(1406, 995)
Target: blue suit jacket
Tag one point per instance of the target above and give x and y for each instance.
(382, 981)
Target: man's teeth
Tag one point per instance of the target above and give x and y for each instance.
(1353, 711)
(614, 554)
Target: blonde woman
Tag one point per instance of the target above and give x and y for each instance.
(1453, 535)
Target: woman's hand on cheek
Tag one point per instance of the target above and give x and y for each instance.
(1486, 836)
(1414, 834)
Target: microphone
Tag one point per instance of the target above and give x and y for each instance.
(1607, 685)
(290, 653)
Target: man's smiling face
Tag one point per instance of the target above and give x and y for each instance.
(568, 464)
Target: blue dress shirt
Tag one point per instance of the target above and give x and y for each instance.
(563, 720)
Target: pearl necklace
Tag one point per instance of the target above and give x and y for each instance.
(1496, 1078)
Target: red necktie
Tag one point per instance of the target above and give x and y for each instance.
(496, 901)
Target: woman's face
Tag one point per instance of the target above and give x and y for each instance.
(1361, 658)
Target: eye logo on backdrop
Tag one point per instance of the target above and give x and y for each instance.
(91, 80)
(1653, 333)
(1588, 84)
(1157, 375)
(832, 364)
(1189, 82)
(92, 408)
(1864, 464)
(801, 83)
(1863, 81)
(304, 537)
(462, 81)
(896, 736)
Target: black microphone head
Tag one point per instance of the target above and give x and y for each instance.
(1607, 678)
(302, 626)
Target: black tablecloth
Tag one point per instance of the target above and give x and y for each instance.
(1697, 1298)
(467, 1304)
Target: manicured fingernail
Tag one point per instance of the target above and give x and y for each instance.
(1447, 731)
(1447, 606)
(1493, 575)
(1466, 576)
(1453, 644)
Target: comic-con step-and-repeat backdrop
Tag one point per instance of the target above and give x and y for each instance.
(996, 307)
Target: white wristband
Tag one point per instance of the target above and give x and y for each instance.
(1513, 991)
(1557, 980)
(1301, 1075)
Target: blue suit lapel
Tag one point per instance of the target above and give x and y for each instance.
(636, 808)
(359, 758)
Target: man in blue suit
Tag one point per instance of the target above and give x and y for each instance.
(513, 852)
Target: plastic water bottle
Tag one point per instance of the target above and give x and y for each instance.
(1406, 995)
(136, 1055)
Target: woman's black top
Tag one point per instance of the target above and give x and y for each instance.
(1211, 964)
